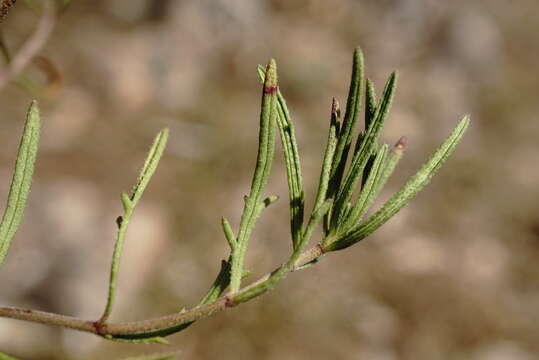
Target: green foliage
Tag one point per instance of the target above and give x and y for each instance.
(129, 203)
(344, 196)
(22, 180)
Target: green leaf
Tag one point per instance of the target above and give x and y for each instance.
(126, 201)
(152, 160)
(393, 159)
(21, 181)
(370, 106)
(266, 148)
(292, 163)
(370, 112)
(366, 196)
(331, 145)
(145, 340)
(406, 193)
(335, 126)
(353, 105)
(366, 148)
(129, 204)
(229, 234)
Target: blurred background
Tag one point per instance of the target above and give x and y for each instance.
(455, 275)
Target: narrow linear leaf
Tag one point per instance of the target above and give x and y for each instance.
(406, 193)
(295, 189)
(371, 190)
(150, 165)
(330, 190)
(126, 201)
(229, 234)
(331, 145)
(365, 150)
(393, 159)
(370, 103)
(21, 181)
(292, 163)
(154, 155)
(147, 340)
(366, 196)
(370, 112)
(266, 148)
(350, 119)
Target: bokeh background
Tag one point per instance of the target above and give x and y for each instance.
(455, 275)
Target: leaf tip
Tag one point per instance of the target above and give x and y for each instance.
(126, 201)
(466, 120)
(33, 114)
(270, 84)
(163, 134)
(393, 77)
(358, 54)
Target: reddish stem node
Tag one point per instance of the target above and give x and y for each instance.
(270, 90)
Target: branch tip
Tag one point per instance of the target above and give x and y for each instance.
(270, 83)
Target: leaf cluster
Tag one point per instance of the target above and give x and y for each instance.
(353, 174)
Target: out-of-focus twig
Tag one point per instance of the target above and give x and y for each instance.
(5, 5)
(32, 46)
(4, 51)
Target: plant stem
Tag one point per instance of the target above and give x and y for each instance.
(135, 327)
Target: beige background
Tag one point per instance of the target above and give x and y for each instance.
(453, 276)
